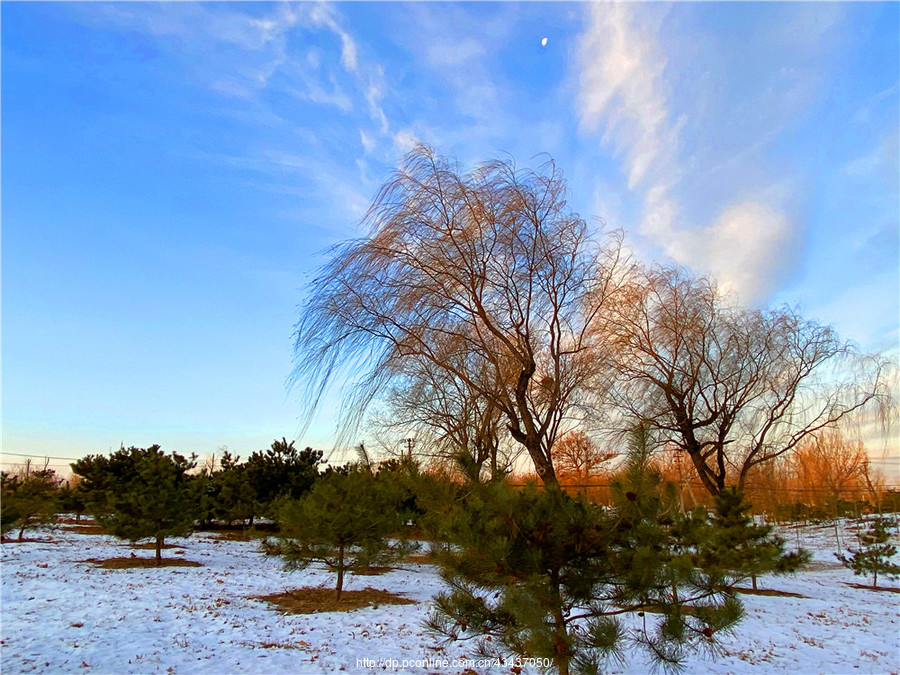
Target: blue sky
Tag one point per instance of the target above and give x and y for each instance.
(172, 173)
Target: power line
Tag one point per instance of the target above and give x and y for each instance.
(33, 456)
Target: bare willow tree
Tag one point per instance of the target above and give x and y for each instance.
(831, 467)
(459, 426)
(730, 387)
(490, 269)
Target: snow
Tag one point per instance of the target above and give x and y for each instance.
(62, 615)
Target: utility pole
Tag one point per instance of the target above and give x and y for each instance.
(409, 447)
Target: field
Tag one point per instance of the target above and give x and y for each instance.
(63, 614)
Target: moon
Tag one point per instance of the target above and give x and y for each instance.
(544, 42)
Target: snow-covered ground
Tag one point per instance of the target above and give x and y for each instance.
(61, 615)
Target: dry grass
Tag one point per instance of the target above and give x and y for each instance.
(822, 566)
(312, 600)
(767, 591)
(419, 559)
(302, 644)
(869, 587)
(85, 529)
(27, 540)
(371, 571)
(130, 563)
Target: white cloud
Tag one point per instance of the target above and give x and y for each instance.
(625, 94)
(622, 85)
(238, 54)
(405, 140)
(450, 52)
(374, 95)
(746, 249)
(323, 14)
(366, 140)
(864, 112)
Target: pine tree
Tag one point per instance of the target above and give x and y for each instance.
(343, 522)
(229, 495)
(71, 500)
(9, 512)
(737, 548)
(538, 573)
(282, 471)
(29, 498)
(874, 553)
(139, 493)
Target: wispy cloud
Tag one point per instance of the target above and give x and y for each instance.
(239, 54)
(258, 57)
(626, 95)
(864, 112)
(882, 161)
(322, 14)
(747, 238)
(455, 50)
(622, 87)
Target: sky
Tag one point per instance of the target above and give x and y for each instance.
(173, 174)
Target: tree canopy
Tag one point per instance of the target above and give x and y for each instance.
(486, 276)
(732, 387)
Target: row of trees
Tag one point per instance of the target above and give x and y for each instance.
(144, 492)
(482, 313)
(29, 496)
(827, 476)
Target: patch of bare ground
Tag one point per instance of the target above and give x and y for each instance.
(371, 571)
(866, 587)
(85, 529)
(130, 563)
(419, 559)
(767, 591)
(313, 600)
(28, 540)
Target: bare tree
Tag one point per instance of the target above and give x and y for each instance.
(490, 269)
(577, 455)
(463, 428)
(731, 387)
(831, 467)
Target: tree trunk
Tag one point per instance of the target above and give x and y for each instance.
(159, 544)
(340, 571)
(22, 530)
(703, 471)
(530, 437)
(545, 470)
(753, 581)
(563, 655)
